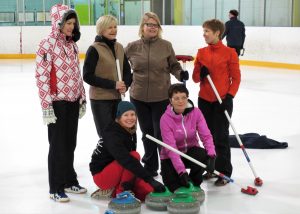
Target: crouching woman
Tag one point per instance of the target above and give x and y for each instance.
(180, 125)
(115, 164)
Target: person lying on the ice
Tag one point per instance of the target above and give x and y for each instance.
(179, 127)
(115, 164)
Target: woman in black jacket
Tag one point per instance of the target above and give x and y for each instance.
(115, 164)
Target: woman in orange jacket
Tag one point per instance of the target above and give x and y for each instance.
(222, 64)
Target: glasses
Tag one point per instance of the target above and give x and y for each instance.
(151, 25)
(177, 99)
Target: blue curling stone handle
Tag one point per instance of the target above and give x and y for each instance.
(124, 198)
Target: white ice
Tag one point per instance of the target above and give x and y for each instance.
(268, 103)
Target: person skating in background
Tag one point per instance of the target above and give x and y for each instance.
(153, 60)
(115, 163)
(222, 64)
(100, 72)
(180, 125)
(62, 98)
(235, 32)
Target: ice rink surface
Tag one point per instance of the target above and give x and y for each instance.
(268, 103)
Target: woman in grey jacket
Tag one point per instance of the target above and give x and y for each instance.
(152, 60)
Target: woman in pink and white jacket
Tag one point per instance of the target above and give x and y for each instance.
(179, 127)
(62, 98)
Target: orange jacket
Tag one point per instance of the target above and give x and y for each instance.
(223, 65)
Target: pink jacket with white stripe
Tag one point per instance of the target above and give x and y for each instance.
(180, 132)
(59, 54)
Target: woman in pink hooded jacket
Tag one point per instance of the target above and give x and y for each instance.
(62, 98)
(179, 127)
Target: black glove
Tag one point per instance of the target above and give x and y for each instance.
(157, 186)
(76, 34)
(129, 185)
(210, 165)
(227, 102)
(184, 75)
(203, 72)
(184, 179)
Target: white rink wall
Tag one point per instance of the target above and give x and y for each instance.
(271, 44)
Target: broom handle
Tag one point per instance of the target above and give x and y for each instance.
(186, 156)
(232, 126)
(119, 75)
(249, 190)
(176, 151)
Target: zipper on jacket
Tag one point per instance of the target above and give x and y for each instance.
(75, 51)
(45, 57)
(65, 44)
(148, 70)
(212, 60)
(185, 134)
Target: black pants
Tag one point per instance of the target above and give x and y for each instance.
(170, 176)
(219, 128)
(62, 137)
(149, 114)
(104, 112)
(237, 49)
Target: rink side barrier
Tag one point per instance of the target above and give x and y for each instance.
(275, 47)
(270, 64)
(26, 56)
(242, 62)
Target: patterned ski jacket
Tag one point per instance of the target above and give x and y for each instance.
(57, 63)
(223, 65)
(180, 132)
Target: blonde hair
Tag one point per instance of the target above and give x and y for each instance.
(145, 18)
(105, 22)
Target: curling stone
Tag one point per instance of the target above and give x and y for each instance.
(183, 203)
(196, 192)
(158, 200)
(125, 203)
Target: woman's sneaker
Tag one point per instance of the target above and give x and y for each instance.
(59, 197)
(77, 189)
(102, 194)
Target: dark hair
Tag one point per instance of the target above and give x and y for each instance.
(71, 16)
(215, 25)
(234, 12)
(177, 88)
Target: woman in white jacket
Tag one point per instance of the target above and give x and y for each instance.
(62, 98)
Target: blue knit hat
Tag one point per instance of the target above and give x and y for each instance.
(124, 106)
